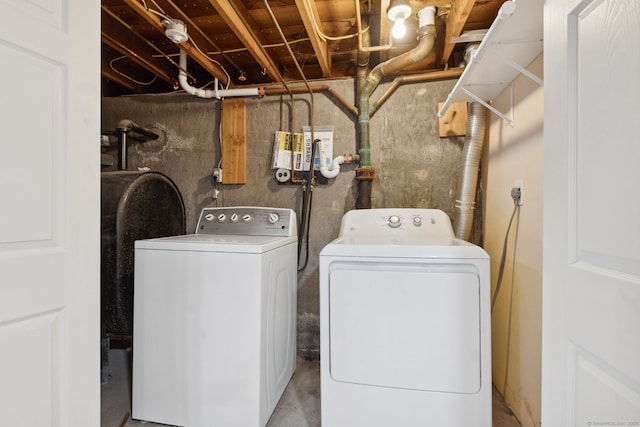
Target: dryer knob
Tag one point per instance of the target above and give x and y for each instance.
(209, 217)
(273, 218)
(394, 221)
(234, 217)
(222, 217)
(246, 217)
(417, 220)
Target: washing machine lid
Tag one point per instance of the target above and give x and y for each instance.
(217, 243)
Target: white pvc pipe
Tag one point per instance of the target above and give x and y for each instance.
(427, 16)
(211, 93)
(333, 169)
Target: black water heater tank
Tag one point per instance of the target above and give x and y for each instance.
(135, 206)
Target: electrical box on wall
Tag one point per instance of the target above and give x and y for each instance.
(289, 150)
(291, 157)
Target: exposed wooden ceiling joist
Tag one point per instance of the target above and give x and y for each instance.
(241, 40)
(243, 26)
(130, 44)
(126, 83)
(456, 20)
(309, 13)
(187, 46)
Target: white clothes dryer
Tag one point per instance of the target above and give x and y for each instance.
(214, 336)
(405, 323)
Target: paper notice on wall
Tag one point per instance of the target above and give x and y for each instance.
(325, 146)
(281, 150)
(301, 152)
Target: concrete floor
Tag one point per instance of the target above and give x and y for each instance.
(298, 407)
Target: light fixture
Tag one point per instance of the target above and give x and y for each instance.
(399, 11)
(175, 30)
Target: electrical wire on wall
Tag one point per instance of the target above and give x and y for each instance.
(119, 58)
(516, 208)
(218, 194)
(515, 195)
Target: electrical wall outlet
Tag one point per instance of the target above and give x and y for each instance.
(520, 184)
(217, 175)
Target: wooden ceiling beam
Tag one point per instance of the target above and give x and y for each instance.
(118, 79)
(244, 27)
(138, 59)
(460, 10)
(204, 61)
(119, 36)
(309, 14)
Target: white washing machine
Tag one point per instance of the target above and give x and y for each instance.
(214, 335)
(405, 323)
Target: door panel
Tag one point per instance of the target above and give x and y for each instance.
(406, 326)
(591, 294)
(49, 220)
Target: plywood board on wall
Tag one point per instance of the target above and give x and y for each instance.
(234, 141)
(454, 121)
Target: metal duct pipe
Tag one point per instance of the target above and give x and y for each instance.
(468, 178)
(426, 40)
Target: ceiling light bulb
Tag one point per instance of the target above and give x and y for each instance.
(399, 30)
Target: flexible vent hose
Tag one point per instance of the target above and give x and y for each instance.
(468, 179)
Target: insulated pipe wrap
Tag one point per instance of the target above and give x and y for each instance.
(468, 179)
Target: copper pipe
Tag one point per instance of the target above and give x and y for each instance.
(392, 66)
(361, 47)
(274, 90)
(414, 78)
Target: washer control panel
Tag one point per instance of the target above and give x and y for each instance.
(247, 221)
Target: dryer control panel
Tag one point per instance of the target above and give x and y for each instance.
(247, 221)
(396, 222)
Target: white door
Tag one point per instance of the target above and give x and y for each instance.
(591, 293)
(49, 213)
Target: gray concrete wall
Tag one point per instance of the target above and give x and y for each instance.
(415, 168)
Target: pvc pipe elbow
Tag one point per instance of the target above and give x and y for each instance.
(211, 93)
(334, 168)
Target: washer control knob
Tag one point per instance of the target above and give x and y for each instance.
(273, 218)
(222, 217)
(209, 217)
(234, 217)
(417, 220)
(246, 218)
(394, 221)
